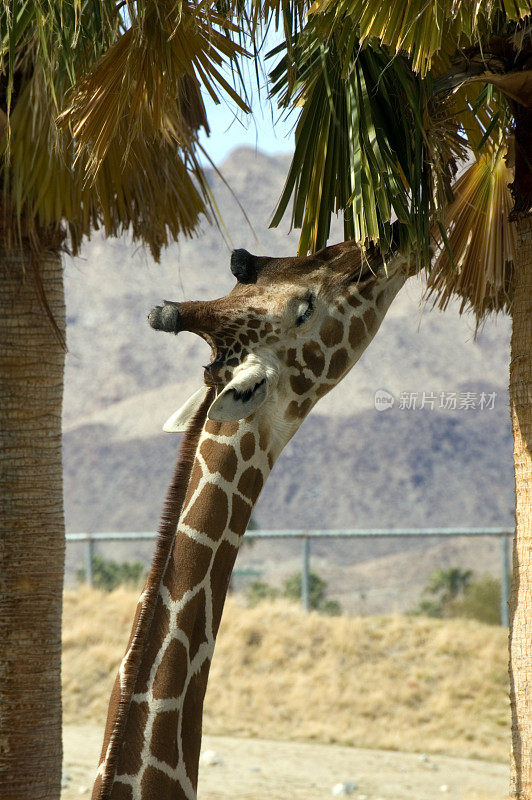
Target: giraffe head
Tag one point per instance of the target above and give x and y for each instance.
(287, 333)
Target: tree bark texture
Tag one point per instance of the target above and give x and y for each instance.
(31, 526)
(521, 594)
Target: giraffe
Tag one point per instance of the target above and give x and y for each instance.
(285, 335)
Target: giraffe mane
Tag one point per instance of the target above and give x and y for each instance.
(171, 512)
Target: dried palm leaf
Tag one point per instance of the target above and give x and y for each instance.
(446, 148)
(151, 78)
(140, 180)
(476, 253)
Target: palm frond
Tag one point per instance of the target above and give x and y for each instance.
(156, 194)
(168, 53)
(446, 148)
(477, 242)
(423, 28)
(131, 173)
(361, 143)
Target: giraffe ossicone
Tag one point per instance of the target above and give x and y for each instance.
(281, 339)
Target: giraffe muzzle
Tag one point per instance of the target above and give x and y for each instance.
(166, 317)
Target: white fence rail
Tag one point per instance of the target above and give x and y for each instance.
(503, 534)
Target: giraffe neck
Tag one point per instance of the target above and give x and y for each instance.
(158, 746)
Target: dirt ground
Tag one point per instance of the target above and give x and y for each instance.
(241, 769)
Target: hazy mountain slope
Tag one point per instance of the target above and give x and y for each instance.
(349, 465)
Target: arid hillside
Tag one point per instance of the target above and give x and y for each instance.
(348, 466)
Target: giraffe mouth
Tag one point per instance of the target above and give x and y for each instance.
(218, 362)
(211, 372)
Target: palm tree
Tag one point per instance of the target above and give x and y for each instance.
(393, 98)
(137, 171)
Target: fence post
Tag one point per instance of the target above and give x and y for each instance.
(89, 552)
(305, 573)
(505, 579)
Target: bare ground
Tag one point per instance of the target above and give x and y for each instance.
(270, 770)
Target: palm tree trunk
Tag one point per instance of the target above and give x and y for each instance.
(521, 594)
(31, 526)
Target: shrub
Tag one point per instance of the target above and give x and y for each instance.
(260, 590)
(459, 594)
(108, 574)
(481, 600)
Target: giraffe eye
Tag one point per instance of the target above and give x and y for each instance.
(305, 310)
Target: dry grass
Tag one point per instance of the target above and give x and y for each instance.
(379, 682)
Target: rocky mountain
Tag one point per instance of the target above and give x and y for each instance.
(416, 463)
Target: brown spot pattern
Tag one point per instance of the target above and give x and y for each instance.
(219, 458)
(297, 410)
(192, 715)
(314, 357)
(240, 515)
(209, 511)
(195, 478)
(191, 621)
(300, 384)
(171, 672)
(367, 291)
(163, 744)
(221, 428)
(357, 332)
(129, 761)
(250, 483)
(120, 791)
(187, 566)
(354, 301)
(331, 332)
(370, 319)
(291, 357)
(158, 630)
(197, 633)
(158, 784)
(220, 576)
(338, 363)
(323, 389)
(247, 446)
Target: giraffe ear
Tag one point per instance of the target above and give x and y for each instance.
(180, 420)
(242, 396)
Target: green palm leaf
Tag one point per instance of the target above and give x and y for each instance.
(361, 146)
